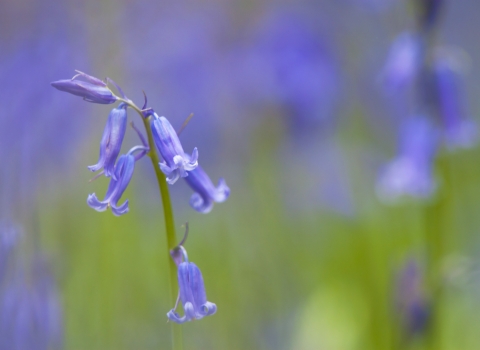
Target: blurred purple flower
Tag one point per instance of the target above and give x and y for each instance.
(192, 295)
(92, 89)
(30, 58)
(459, 130)
(123, 174)
(411, 172)
(410, 299)
(30, 311)
(8, 239)
(287, 64)
(176, 163)
(112, 139)
(403, 62)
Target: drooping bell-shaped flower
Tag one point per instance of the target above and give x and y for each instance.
(112, 139)
(192, 295)
(175, 163)
(411, 172)
(91, 89)
(459, 129)
(205, 192)
(123, 174)
(403, 62)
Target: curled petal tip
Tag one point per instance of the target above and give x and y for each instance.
(173, 316)
(123, 209)
(94, 203)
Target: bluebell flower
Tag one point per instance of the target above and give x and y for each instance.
(175, 163)
(112, 139)
(123, 174)
(205, 192)
(411, 172)
(403, 62)
(192, 295)
(411, 301)
(459, 129)
(92, 89)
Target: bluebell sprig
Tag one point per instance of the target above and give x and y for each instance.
(160, 137)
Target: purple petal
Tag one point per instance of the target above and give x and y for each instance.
(201, 204)
(183, 285)
(90, 78)
(173, 316)
(94, 203)
(123, 209)
(197, 285)
(208, 309)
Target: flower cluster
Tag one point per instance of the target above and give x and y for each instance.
(175, 162)
(411, 171)
(434, 72)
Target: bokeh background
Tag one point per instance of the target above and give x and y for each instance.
(290, 108)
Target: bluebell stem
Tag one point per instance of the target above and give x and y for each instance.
(123, 174)
(112, 139)
(192, 293)
(411, 300)
(175, 163)
(205, 192)
(92, 89)
(411, 172)
(403, 62)
(459, 130)
(429, 11)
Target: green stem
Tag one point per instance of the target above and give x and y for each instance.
(177, 343)
(438, 229)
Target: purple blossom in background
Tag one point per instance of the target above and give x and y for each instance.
(205, 192)
(26, 151)
(192, 295)
(123, 174)
(403, 62)
(91, 89)
(176, 163)
(411, 171)
(112, 139)
(459, 129)
(8, 239)
(410, 299)
(30, 311)
(288, 65)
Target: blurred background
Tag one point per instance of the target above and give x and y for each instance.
(345, 129)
